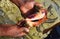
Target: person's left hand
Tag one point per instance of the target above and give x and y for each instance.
(13, 30)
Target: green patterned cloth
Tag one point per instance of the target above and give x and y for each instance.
(10, 14)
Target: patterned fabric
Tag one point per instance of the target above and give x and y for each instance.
(10, 14)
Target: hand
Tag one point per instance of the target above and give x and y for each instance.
(13, 30)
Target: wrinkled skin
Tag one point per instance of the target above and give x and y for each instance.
(17, 31)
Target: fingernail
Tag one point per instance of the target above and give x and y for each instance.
(27, 30)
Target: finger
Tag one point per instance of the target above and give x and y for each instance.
(26, 29)
(39, 5)
(21, 34)
(23, 29)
